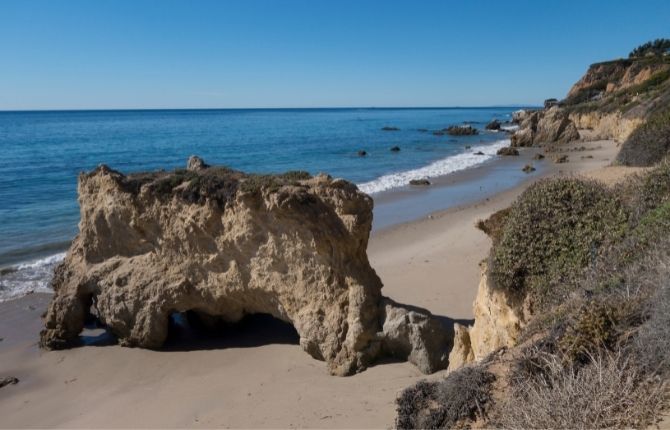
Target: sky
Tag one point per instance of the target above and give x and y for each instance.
(103, 54)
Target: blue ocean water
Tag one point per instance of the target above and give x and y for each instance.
(43, 152)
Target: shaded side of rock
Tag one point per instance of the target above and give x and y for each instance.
(415, 335)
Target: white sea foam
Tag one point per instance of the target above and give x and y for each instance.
(441, 167)
(510, 127)
(31, 277)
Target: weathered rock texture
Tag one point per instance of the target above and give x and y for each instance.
(613, 125)
(224, 244)
(497, 324)
(543, 127)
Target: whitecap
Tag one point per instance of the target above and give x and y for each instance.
(447, 165)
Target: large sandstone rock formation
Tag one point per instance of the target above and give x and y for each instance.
(223, 244)
(543, 127)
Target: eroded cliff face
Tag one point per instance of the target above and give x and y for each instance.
(223, 244)
(498, 324)
(613, 125)
(612, 76)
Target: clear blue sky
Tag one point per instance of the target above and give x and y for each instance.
(281, 53)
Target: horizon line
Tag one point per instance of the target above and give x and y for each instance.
(267, 108)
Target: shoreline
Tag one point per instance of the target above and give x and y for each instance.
(431, 262)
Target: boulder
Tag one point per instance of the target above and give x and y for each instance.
(196, 163)
(507, 151)
(413, 334)
(559, 159)
(222, 244)
(8, 380)
(421, 182)
(395, 149)
(479, 153)
(493, 125)
(528, 168)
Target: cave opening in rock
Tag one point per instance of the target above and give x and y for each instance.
(190, 330)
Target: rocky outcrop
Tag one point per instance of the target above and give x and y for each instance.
(493, 125)
(543, 127)
(613, 125)
(497, 324)
(221, 244)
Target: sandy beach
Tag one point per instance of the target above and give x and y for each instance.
(265, 379)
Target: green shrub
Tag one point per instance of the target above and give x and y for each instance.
(462, 396)
(649, 143)
(553, 231)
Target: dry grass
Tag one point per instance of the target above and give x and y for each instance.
(609, 391)
(453, 402)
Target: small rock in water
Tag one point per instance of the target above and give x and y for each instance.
(362, 153)
(468, 146)
(538, 157)
(479, 153)
(422, 182)
(528, 168)
(395, 149)
(387, 128)
(493, 125)
(8, 380)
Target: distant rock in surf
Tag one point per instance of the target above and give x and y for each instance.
(461, 130)
(395, 149)
(419, 182)
(387, 128)
(362, 153)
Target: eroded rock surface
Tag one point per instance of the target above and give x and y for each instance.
(541, 127)
(223, 244)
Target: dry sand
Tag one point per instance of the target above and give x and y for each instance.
(258, 381)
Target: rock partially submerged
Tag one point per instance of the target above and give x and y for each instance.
(494, 125)
(461, 130)
(221, 244)
(419, 182)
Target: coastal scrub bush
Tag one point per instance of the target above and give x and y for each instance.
(649, 143)
(462, 396)
(553, 231)
(654, 47)
(608, 391)
(272, 183)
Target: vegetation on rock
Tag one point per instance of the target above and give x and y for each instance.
(649, 143)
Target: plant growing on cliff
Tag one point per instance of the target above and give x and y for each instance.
(649, 143)
(553, 230)
(654, 47)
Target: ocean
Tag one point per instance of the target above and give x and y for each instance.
(43, 152)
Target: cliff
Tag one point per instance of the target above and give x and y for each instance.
(220, 244)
